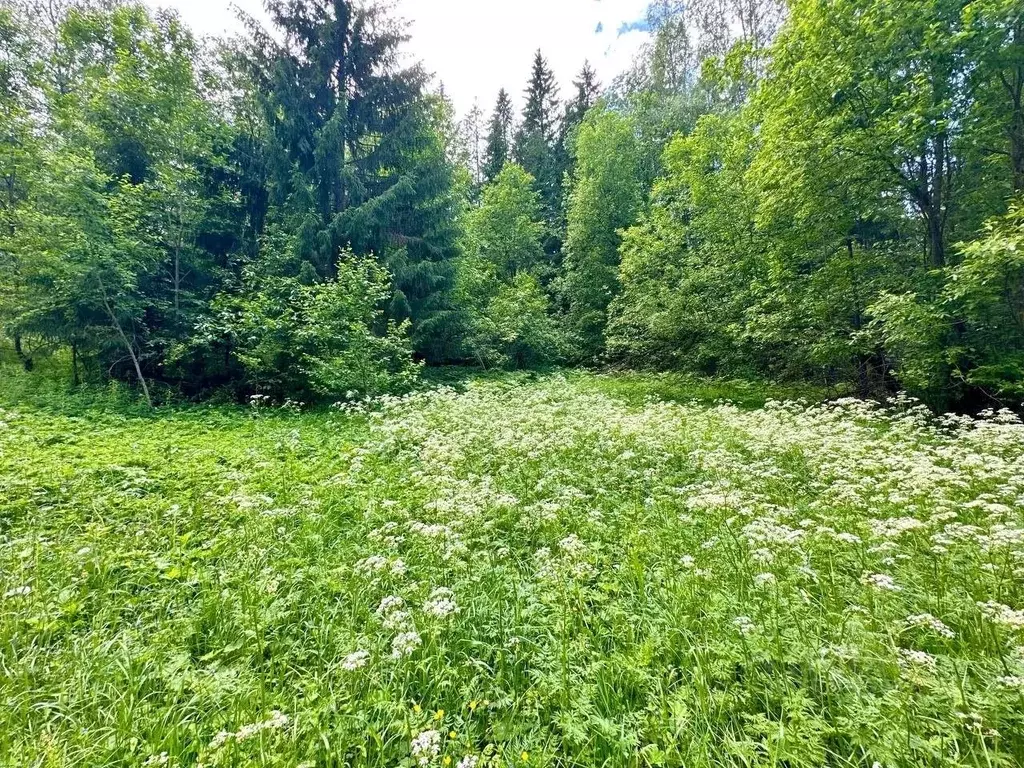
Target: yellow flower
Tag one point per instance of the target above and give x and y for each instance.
(439, 715)
(447, 760)
(452, 735)
(416, 708)
(525, 756)
(473, 705)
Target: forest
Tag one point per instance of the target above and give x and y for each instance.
(825, 191)
(671, 421)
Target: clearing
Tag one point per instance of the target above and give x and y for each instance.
(555, 570)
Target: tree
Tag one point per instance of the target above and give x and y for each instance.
(80, 254)
(587, 91)
(506, 230)
(535, 141)
(471, 136)
(327, 338)
(355, 156)
(605, 198)
(507, 319)
(498, 148)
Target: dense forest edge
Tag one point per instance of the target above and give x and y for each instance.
(827, 193)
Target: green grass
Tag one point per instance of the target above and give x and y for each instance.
(638, 576)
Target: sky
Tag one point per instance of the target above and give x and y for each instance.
(476, 47)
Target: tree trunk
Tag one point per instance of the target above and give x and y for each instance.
(74, 364)
(937, 208)
(127, 345)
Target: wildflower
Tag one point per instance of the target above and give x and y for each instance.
(1015, 682)
(18, 591)
(441, 603)
(355, 660)
(398, 620)
(277, 721)
(764, 579)
(160, 759)
(744, 625)
(405, 644)
(687, 561)
(880, 581)
(390, 604)
(1002, 615)
(469, 761)
(916, 658)
(927, 621)
(426, 746)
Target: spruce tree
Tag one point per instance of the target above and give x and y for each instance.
(355, 160)
(536, 144)
(587, 91)
(499, 137)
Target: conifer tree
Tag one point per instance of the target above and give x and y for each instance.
(536, 144)
(355, 160)
(499, 137)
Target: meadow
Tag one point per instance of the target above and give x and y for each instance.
(556, 570)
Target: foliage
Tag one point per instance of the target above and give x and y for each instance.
(524, 573)
(326, 338)
(605, 198)
(507, 313)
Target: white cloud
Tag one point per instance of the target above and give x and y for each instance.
(476, 47)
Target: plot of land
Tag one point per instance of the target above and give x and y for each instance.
(541, 572)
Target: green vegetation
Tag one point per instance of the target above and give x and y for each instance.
(524, 571)
(802, 191)
(289, 475)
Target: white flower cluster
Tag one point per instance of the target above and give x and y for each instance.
(744, 625)
(927, 621)
(393, 614)
(405, 644)
(355, 660)
(895, 527)
(909, 657)
(441, 603)
(378, 564)
(1002, 615)
(425, 747)
(880, 581)
(1014, 682)
(277, 721)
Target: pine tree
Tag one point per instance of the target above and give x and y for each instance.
(587, 91)
(470, 139)
(355, 160)
(499, 137)
(536, 143)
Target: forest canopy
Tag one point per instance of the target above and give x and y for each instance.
(816, 190)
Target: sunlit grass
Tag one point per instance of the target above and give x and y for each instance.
(523, 571)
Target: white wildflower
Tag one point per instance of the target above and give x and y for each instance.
(927, 621)
(355, 660)
(880, 581)
(744, 625)
(405, 644)
(916, 658)
(426, 746)
(1003, 615)
(1015, 682)
(441, 603)
(18, 591)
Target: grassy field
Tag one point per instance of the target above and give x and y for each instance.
(522, 571)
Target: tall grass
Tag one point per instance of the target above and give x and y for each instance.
(527, 571)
